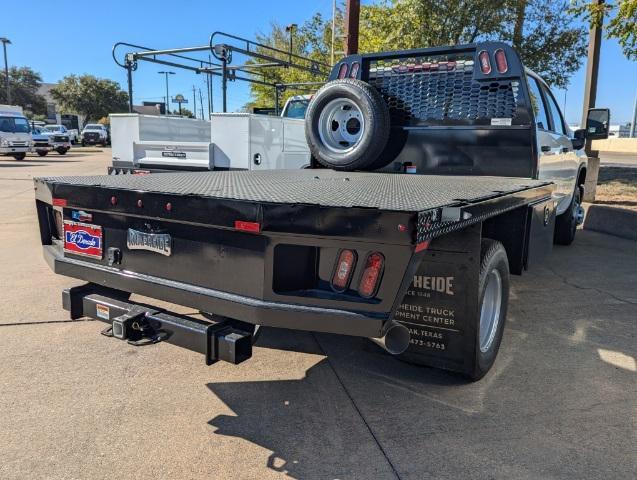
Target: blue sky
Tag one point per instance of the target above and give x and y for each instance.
(66, 37)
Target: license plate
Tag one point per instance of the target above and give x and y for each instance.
(153, 242)
(174, 154)
(83, 239)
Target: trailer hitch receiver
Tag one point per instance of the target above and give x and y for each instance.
(143, 325)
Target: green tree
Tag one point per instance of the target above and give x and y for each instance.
(541, 30)
(186, 113)
(24, 84)
(622, 25)
(311, 39)
(90, 96)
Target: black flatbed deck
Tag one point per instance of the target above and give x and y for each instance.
(323, 188)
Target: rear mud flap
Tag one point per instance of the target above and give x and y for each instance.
(440, 308)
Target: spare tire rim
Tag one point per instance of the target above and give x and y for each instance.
(341, 125)
(490, 310)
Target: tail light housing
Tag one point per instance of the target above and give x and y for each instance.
(354, 70)
(372, 274)
(485, 62)
(342, 70)
(343, 270)
(501, 63)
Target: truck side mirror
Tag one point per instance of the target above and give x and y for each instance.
(597, 123)
(579, 139)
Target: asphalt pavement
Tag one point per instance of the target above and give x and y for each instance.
(618, 159)
(561, 401)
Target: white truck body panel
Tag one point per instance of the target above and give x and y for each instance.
(160, 141)
(245, 141)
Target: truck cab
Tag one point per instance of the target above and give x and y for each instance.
(15, 132)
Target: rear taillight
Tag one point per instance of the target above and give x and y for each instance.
(501, 61)
(342, 71)
(252, 227)
(485, 62)
(354, 70)
(370, 279)
(343, 270)
(59, 224)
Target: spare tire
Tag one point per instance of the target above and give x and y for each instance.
(347, 125)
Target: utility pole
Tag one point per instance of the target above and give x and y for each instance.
(291, 28)
(194, 101)
(633, 127)
(590, 95)
(201, 103)
(166, 73)
(333, 31)
(352, 16)
(210, 85)
(6, 41)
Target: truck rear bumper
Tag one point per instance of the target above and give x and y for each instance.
(247, 309)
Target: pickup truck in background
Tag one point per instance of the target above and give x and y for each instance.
(41, 141)
(436, 174)
(245, 141)
(59, 138)
(94, 134)
(15, 132)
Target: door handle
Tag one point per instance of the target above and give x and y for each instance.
(545, 148)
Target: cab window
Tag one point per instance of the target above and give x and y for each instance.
(296, 109)
(537, 103)
(556, 116)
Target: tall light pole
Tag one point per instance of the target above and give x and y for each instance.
(6, 41)
(166, 73)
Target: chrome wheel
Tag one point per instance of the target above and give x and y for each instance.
(490, 310)
(578, 213)
(341, 125)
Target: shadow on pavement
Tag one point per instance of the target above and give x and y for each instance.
(559, 403)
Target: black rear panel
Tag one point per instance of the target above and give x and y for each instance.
(450, 118)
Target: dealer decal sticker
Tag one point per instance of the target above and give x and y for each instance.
(83, 239)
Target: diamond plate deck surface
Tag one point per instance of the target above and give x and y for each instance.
(396, 192)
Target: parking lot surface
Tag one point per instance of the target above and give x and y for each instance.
(561, 401)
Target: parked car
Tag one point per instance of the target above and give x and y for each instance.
(94, 133)
(62, 130)
(15, 132)
(59, 138)
(41, 141)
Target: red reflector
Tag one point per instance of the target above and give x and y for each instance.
(370, 280)
(485, 63)
(343, 270)
(342, 70)
(501, 61)
(247, 226)
(354, 71)
(59, 202)
(422, 246)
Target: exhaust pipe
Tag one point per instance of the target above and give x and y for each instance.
(396, 338)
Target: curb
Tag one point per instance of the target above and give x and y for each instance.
(619, 222)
